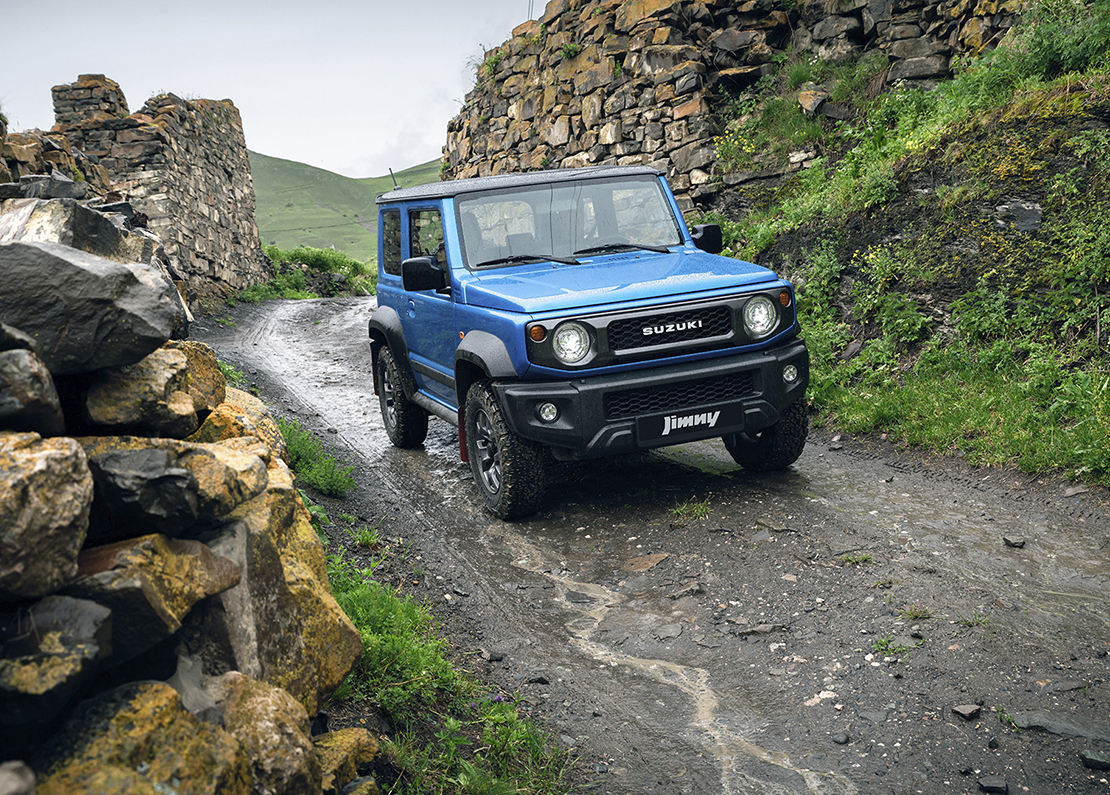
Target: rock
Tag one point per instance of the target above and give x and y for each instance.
(140, 739)
(1063, 725)
(206, 383)
(1095, 760)
(149, 397)
(84, 312)
(994, 784)
(41, 672)
(1016, 543)
(28, 399)
(143, 489)
(840, 739)
(242, 414)
(343, 754)
(188, 681)
(227, 473)
(16, 779)
(45, 492)
(271, 537)
(71, 224)
(150, 583)
(968, 711)
(273, 730)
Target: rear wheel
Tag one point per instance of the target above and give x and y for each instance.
(776, 447)
(508, 470)
(406, 424)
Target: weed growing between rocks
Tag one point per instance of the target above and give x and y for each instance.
(312, 465)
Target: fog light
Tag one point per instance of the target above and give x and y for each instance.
(790, 374)
(548, 412)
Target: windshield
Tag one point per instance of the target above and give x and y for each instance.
(561, 221)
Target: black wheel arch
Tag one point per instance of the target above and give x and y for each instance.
(385, 331)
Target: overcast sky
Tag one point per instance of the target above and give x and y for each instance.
(352, 87)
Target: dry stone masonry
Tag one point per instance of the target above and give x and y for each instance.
(597, 82)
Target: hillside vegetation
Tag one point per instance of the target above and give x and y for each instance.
(300, 205)
(951, 246)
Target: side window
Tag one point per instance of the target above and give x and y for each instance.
(426, 235)
(391, 242)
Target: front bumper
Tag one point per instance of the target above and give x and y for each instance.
(608, 415)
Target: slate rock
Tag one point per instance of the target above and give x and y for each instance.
(150, 397)
(43, 670)
(28, 399)
(84, 312)
(45, 492)
(1072, 726)
(74, 225)
(142, 491)
(1095, 760)
(967, 711)
(139, 738)
(150, 583)
(995, 784)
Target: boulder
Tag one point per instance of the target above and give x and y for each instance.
(45, 491)
(84, 312)
(149, 397)
(242, 414)
(271, 538)
(343, 755)
(150, 583)
(28, 399)
(16, 778)
(139, 739)
(206, 383)
(42, 671)
(274, 731)
(227, 473)
(143, 490)
(74, 225)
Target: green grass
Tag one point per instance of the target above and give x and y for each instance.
(453, 735)
(312, 465)
(300, 205)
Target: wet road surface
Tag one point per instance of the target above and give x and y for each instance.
(648, 632)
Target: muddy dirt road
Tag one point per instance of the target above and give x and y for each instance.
(857, 624)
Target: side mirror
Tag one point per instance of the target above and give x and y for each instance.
(707, 237)
(422, 273)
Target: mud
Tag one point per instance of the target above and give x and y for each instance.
(687, 627)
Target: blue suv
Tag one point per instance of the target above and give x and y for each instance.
(573, 312)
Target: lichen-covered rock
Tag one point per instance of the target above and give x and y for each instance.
(140, 740)
(28, 399)
(242, 414)
(85, 312)
(150, 583)
(227, 473)
(343, 754)
(271, 539)
(151, 396)
(45, 492)
(274, 731)
(42, 670)
(207, 385)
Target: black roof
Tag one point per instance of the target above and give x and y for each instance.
(441, 190)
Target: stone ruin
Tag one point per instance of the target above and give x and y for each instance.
(178, 168)
(600, 82)
(166, 622)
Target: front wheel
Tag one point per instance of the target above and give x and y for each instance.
(508, 470)
(772, 448)
(406, 424)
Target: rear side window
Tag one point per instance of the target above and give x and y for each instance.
(426, 235)
(391, 242)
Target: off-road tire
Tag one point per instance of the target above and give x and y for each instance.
(508, 470)
(406, 424)
(772, 448)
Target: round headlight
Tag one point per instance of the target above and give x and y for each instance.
(570, 343)
(760, 316)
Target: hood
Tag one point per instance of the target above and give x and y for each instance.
(542, 287)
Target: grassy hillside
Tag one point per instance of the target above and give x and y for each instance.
(950, 246)
(300, 205)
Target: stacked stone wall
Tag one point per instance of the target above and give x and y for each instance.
(181, 163)
(598, 82)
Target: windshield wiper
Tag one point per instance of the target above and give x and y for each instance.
(527, 258)
(622, 247)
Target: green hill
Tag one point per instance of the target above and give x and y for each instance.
(301, 205)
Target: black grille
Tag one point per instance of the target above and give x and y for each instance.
(696, 324)
(676, 397)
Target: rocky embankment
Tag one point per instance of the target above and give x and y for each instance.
(166, 623)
